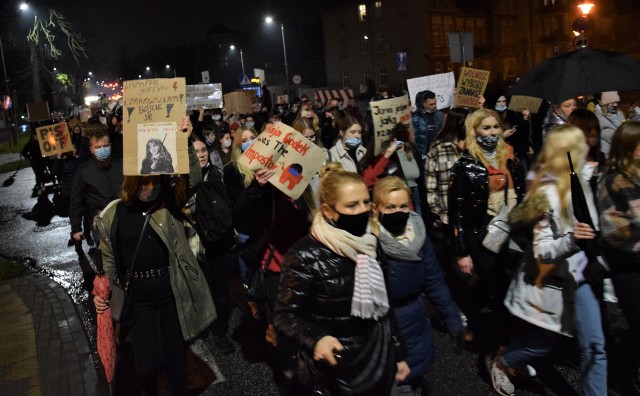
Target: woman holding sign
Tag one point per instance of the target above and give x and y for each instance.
(485, 173)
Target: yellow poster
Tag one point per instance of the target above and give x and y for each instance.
(152, 112)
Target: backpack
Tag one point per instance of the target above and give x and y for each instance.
(213, 217)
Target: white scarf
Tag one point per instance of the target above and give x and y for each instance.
(370, 299)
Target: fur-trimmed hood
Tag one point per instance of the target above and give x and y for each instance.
(527, 213)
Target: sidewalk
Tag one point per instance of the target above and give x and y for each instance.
(44, 349)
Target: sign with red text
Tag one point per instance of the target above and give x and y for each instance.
(152, 113)
(295, 158)
(54, 139)
(386, 115)
(471, 85)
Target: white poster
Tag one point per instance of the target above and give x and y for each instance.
(207, 95)
(443, 85)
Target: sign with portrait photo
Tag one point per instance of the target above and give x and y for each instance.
(152, 113)
(295, 158)
(386, 115)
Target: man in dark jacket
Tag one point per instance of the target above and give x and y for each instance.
(97, 182)
(427, 120)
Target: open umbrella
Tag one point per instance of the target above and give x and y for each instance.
(582, 72)
(106, 341)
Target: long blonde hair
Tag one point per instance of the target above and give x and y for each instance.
(473, 121)
(553, 161)
(236, 152)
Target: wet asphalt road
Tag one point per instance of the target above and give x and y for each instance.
(247, 371)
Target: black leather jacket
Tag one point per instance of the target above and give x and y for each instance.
(468, 197)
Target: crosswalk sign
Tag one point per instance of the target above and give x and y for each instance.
(245, 79)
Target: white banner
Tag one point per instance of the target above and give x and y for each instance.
(443, 85)
(207, 95)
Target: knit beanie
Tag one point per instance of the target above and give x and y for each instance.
(609, 97)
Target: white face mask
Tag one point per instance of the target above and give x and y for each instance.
(216, 117)
(227, 143)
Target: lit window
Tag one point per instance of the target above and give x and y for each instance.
(362, 12)
(378, 10)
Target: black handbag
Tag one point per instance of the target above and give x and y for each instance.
(118, 301)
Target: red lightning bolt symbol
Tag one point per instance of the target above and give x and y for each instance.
(175, 86)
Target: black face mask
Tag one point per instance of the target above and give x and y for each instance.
(353, 224)
(395, 223)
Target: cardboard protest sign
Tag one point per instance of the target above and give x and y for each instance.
(73, 122)
(153, 111)
(443, 85)
(295, 158)
(208, 96)
(519, 103)
(38, 111)
(386, 114)
(471, 85)
(238, 102)
(54, 139)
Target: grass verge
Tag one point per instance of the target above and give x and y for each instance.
(7, 147)
(10, 269)
(12, 166)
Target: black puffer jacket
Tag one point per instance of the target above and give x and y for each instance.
(314, 299)
(468, 197)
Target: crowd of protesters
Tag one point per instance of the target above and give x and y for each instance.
(349, 266)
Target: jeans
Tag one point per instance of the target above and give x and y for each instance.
(415, 199)
(593, 358)
(533, 342)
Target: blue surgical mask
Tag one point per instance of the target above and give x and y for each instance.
(246, 145)
(103, 153)
(500, 107)
(352, 142)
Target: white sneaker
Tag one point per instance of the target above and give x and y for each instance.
(499, 378)
(526, 372)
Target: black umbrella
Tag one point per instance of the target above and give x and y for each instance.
(582, 72)
(594, 271)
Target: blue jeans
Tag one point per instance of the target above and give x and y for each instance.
(532, 343)
(415, 199)
(593, 359)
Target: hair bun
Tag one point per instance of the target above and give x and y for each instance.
(331, 167)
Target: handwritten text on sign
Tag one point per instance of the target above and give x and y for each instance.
(294, 158)
(471, 85)
(54, 139)
(153, 110)
(386, 115)
(442, 85)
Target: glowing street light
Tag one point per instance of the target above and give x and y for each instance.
(269, 20)
(233, 47)
(586, 7)
(24, 6)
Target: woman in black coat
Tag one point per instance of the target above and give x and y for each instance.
(335, 311)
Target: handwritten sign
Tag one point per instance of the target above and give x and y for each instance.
(295, 158)
(471, 85)
(38, 111)
(208, 96)
(54, 139)
(519, 103)
(153, 111)
(386, 114)
(443, 85)
(238, 102)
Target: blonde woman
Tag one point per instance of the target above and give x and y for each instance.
(551, 292)
(341, 335)
(476, 195)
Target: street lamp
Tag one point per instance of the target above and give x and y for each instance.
(269, 20)
(586, 7)
(24, 6)
(233, 47)
(168, 67)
